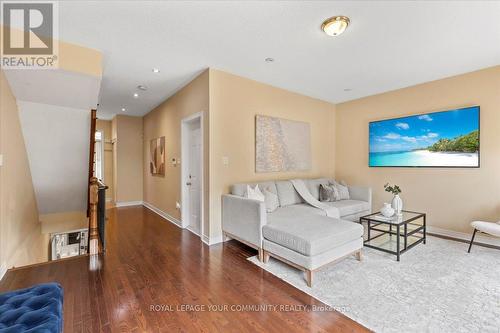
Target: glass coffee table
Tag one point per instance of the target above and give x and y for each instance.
(394, 235)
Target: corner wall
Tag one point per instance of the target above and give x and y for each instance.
(163, 192)
(21, 240)
(452, 198)
(234, 103)
(127, 134)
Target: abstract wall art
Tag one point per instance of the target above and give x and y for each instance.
(157, 156)
(281, 145)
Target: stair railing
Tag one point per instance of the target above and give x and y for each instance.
(93, 122)
(93, 188)
(93, 229)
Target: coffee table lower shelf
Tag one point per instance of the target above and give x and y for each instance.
(395, 237)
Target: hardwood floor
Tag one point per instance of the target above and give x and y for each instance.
(154, 273)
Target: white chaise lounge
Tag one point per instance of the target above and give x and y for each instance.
(296, 232)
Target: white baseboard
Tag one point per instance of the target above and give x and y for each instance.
(193, 231)
(128, 203)
(166, 216)
(205, 239)
(480, 238)
(213, 240)
(177, 222)
(3, 270)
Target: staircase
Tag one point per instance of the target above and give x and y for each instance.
(48, 142)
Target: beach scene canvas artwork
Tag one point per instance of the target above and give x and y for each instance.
(439, 139)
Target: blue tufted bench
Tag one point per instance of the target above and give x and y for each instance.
(35, 309)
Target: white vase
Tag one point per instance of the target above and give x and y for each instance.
(397, 204)
(387, 210)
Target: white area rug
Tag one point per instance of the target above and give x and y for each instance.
(436, 287)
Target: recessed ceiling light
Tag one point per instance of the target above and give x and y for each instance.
(269, 59)
(136, 95)
(142, 87)
(335, 26)
(156, 70)
(123, 109)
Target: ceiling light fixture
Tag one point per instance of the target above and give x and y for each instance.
(156, 70)
(269, 59)
(123, 109)
(136, 95)
(336, 25)
(347, 89)
(142, 87)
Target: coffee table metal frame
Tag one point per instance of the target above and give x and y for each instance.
(401, 231)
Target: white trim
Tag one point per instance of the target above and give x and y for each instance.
(184, 152)
(178, 223)
(212, 241)
(480, 238)
(166, 216)
(192, 230)
(205, 239)
(102, 153)
(3, 270)
(128, 203)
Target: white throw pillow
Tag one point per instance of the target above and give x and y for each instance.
(255, 193)
(343, 190)
(271, 200)
(328, 193)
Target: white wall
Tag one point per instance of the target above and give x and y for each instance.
(57, 142)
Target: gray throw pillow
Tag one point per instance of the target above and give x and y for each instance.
(271, 200)
(343, 190)
(328, 193)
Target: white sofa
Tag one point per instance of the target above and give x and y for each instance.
(296, 232)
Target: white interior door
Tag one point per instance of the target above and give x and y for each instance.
(193, 180)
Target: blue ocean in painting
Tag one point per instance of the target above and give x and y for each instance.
(448, 138)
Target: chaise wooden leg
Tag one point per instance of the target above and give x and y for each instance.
(265, 256)
(359, 255)
(309, 277)
(261, 255)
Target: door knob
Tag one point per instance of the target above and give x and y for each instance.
(188, 183)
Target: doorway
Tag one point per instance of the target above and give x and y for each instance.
(192, 173)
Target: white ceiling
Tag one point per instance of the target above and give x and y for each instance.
(389, 44)
(74, 90)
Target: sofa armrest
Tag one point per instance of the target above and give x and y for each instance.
(361, 193)
(243, 218)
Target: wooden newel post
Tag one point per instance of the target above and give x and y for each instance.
(93, 233)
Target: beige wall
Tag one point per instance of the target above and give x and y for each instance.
(339, 143)
(115, 157)
(165, 120)
(451, 197)
(21, 240)
(74, 58)
(128, 136)
(60, 222)
(80, 59)
(105, 127)
(234, 102)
